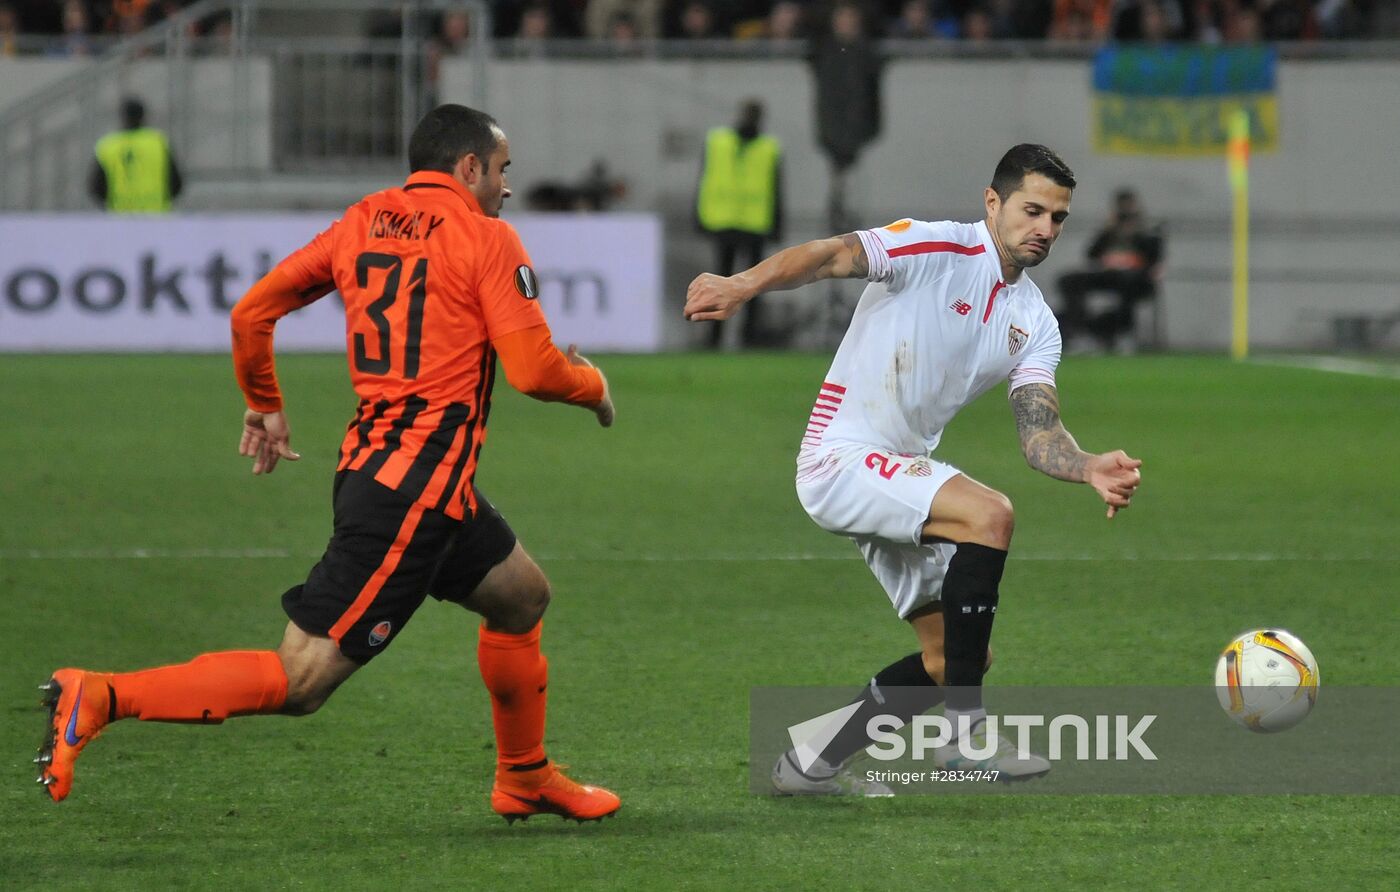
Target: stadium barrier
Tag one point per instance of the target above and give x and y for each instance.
(101, 283)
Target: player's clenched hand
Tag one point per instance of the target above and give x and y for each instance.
(1115, 477)
(605, 410)
(713, 297)
(266, 440)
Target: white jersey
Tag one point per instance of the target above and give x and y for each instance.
(936, 328)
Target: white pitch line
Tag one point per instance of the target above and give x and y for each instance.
(1338, 364)
(146, 554)
(141, 554)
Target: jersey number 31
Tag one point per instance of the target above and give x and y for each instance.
(392, 264)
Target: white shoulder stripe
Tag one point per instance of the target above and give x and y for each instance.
(1020, 377)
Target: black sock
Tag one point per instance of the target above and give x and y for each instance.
(969, 608)
(530, 767)
(901, 689)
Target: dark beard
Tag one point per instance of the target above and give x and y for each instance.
(1027, 260)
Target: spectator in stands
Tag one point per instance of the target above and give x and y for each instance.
(739, 202)
(642, 19)
(9, 30)
(76, 39)
(454, 33)
(536, 22)
(1125, 261)
(1082, 20)
(1143, 20)
(128, 17)
(1206, 21)
(451, 38)
(977, 25)
(134, 171)
(1242, 26)
(915, 21)
(786, 21)
(692, 20)
(565, 17)
(622, 29)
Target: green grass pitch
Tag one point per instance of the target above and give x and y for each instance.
(1269, 497)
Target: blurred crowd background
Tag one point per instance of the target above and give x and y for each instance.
(77, 27)
(868, 110)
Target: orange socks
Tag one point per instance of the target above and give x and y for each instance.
(207, 689)
(516, 674)
(212, 687)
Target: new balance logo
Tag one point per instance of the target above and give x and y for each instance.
(961, 307)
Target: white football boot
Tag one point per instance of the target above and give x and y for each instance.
(1005, 760)
(820, 779)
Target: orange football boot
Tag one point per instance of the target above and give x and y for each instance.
(78, 703)
(519, 794)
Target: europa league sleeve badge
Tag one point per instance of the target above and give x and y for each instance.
(526, 282)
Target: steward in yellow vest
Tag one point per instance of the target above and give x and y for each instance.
(739, 183)
(739, 201)
(134, 171)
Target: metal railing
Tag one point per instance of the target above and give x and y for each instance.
(46, 139)
(349, 104)
(338, 105)
(309, 103)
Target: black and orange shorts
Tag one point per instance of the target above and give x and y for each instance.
(387, 553)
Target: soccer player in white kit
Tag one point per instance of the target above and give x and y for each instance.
(948, 314)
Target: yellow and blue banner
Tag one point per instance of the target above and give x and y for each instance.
(1178, 100)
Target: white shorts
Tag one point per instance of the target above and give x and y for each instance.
(880, 500)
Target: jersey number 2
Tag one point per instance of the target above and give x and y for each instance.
(392, 264)
(886, 468)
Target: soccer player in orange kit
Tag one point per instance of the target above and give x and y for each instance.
(436, 288)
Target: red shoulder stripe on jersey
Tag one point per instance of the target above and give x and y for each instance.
(992, 299)
(827, 385)
(937, 247)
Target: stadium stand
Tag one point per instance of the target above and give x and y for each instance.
(285, 105)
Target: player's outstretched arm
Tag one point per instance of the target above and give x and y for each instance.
(712, 297)
(1050, 449)
(538, 369)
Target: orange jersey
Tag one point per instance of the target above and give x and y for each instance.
(430, 286)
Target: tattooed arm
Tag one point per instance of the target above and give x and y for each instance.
(1050, 449)
(719, 297)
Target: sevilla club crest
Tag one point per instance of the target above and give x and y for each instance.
(1016, 339)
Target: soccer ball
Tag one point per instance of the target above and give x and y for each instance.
(1267, 680)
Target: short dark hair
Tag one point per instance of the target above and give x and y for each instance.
(447, 134)
(1029, 158)
(133, 112)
